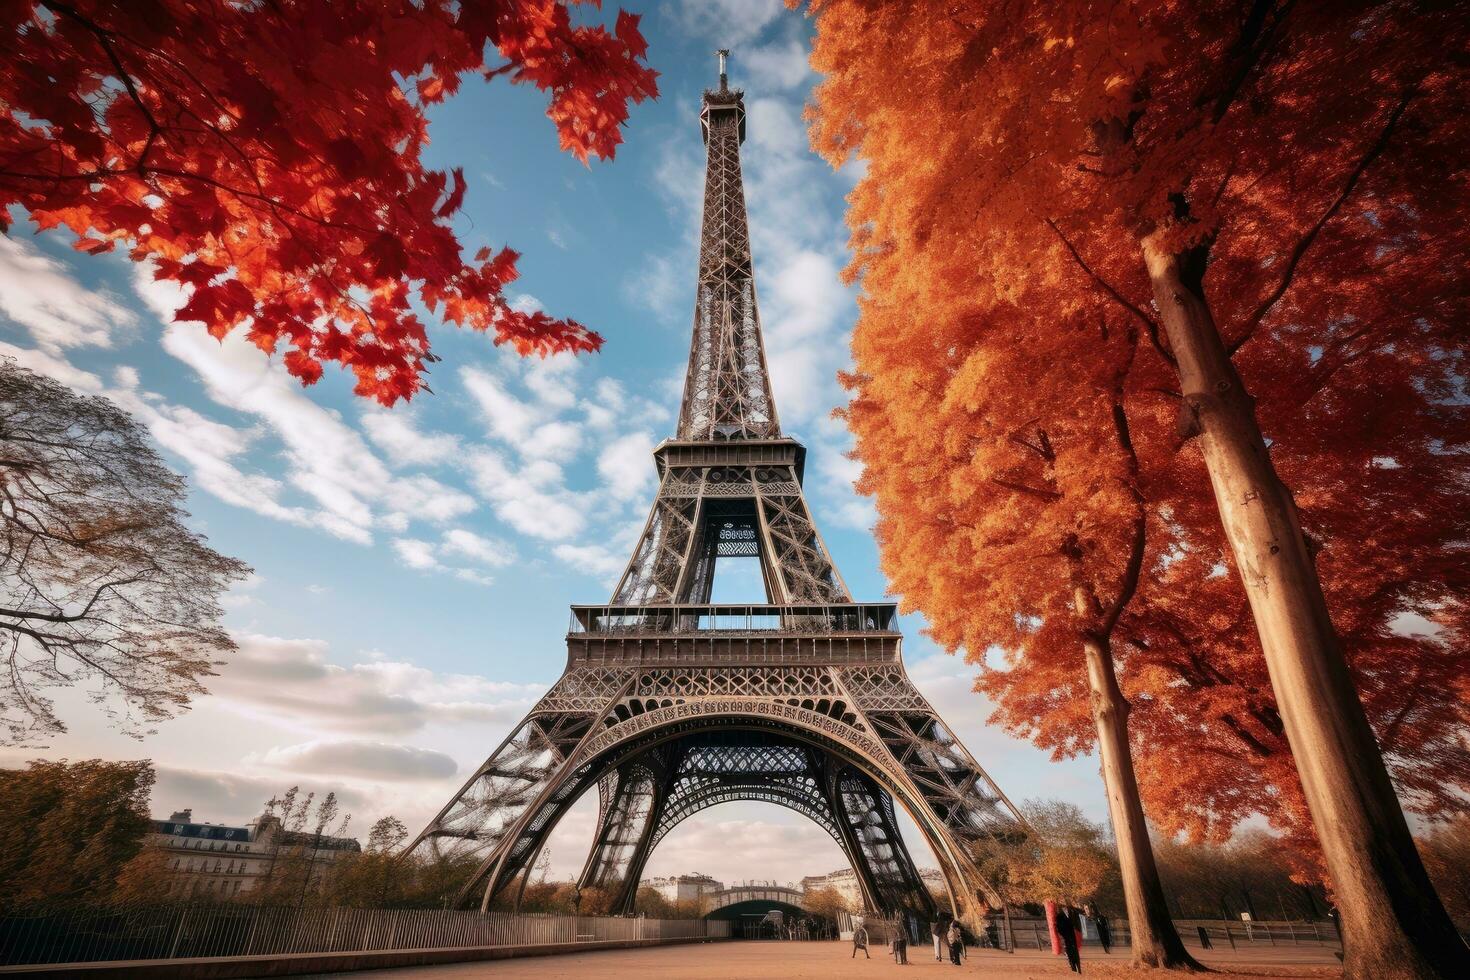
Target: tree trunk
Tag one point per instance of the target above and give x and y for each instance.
(1393, 924)
(1155, 941)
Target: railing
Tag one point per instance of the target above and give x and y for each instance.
(179, 931)
(1028, 932)
(852, 617)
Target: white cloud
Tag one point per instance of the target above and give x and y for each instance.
(486, 551)
(664, 286)
(37, 292)
(396, 434)
(774, 128)
(425, 556)
(326, 459)
(211, 449)
(509, 419)
(526, 303)
(424, 498)
(360, 758)
(532, 499)
(415, 553)
(777, 65)
(229, 797)
(597, 560)
(240, 594)
(291, 682)
(627, 465)
(53, 367)
(610, 407)
(728, 23)
(552, 379)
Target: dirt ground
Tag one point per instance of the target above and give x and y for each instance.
(817, 961)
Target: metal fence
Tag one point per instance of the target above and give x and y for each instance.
(178, 931)
(1030, 932)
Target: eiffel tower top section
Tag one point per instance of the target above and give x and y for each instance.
(727, 389)
(730, 487)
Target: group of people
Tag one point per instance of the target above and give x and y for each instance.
(1068, 925)
(949, 937)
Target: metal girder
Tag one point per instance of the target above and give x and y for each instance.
(703, 513)
(804, 713)
(727, 389)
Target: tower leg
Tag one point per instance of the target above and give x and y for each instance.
(625, 824)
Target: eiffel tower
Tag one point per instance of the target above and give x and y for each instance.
(670, 704)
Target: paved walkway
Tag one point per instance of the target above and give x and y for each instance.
(819, 960)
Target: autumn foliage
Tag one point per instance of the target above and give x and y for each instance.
(1304, 158)
(268, 157)
(73, 831)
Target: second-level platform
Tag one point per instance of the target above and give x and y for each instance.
(710, 634)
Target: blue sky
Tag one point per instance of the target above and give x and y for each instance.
(414, 566)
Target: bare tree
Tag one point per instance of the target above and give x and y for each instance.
(100, 579)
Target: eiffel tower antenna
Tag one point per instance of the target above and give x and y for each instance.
(671, 704)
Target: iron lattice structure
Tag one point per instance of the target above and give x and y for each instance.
(670, 704)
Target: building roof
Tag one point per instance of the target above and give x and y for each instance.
(207, 831)
(289, 838)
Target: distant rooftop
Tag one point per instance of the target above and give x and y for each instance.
(181, 824)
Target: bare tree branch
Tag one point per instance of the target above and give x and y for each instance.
(100, 578)
(1149, 323)
(1305, 243)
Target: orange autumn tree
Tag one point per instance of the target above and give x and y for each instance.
(1376, 452)
(1190, 166)
(1008, 490)
(268, 157)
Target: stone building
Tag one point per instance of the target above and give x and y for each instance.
(683, 888)
(844, 882)
(219, 861)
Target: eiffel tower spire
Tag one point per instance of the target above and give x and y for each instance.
(727, 390)
(730, 483)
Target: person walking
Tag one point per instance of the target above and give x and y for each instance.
(956, 943)
(1067, 929)
(900, 942)
(939, 929)
(859, 938)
